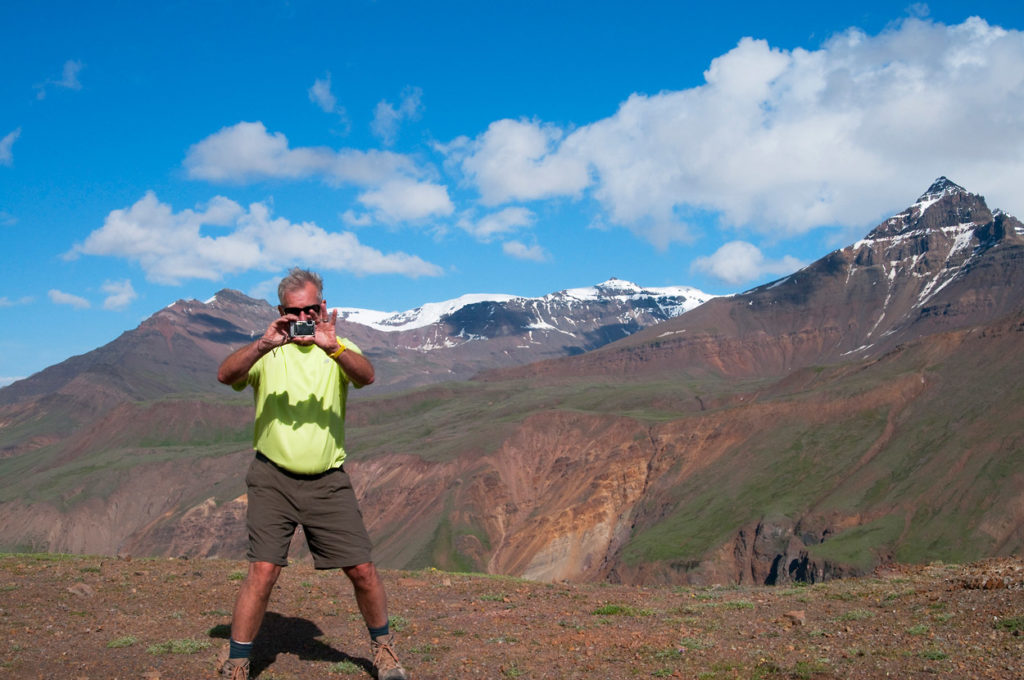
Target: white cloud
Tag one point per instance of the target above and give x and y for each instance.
(784, 141)
(353, 219)
(6, 155)
(7, 380)
(738, 262)
(68, 80)
(171, 246)
(403, 200)
(395, 190)
(246, 151)
(522, 251)
(120, 294)
(387, 117)
(320, 94)
(503, 222)
(519, 161)
(7, 302)
(61, 298)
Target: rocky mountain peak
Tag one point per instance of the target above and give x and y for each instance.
(939, 188)
(944, 205)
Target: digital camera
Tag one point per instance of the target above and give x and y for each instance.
(302, 328)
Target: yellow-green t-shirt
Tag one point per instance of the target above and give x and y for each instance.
(300, 396)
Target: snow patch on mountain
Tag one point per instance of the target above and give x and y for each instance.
(428, 314)
(674, 300)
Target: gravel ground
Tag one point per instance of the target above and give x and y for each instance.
(73, 617)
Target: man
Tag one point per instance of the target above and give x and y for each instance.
(300, 385)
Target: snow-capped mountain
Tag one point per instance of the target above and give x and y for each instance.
(672, 300)
(947, 262)
(458, 338)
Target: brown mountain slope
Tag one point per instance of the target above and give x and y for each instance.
(913, 456)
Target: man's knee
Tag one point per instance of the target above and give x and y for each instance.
(263, 576)
(363, 576)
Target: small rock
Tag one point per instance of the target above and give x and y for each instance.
(797, 617)
(82, 590)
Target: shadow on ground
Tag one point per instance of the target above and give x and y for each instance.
(293, 636)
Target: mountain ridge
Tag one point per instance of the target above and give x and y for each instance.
(855, 302)
(861, 410)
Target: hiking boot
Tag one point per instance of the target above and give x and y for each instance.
(232, 669)
(385, 660)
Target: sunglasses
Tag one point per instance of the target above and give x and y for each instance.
(310, 310)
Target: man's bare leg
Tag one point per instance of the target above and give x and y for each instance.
(370, 595)
(252, 600)
(373, 604)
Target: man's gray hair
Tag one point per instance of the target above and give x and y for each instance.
(298, 278)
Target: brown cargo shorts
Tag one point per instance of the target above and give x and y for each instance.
(324, 504)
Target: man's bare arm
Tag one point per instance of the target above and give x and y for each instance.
(236, 367)
(357, 367)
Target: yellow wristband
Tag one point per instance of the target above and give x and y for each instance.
(337, 352)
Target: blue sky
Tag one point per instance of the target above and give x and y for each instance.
(414, 152)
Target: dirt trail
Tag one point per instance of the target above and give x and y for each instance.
(100, 619)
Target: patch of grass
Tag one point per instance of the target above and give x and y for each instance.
(398, 623)
(620, 610)
(504, 640)
(920, 629)
(236, 576)
(766, 668)
(1012, 624)
(933, 654)
(345, 668)
(695, 644)
(889, 597)
(184, 646)
(126, 641)
(809, 669)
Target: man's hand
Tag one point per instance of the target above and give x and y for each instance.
(276, 334)
(326, 335)
(357, 367)
(236, 367)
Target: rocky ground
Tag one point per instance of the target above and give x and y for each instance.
(102, 618)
